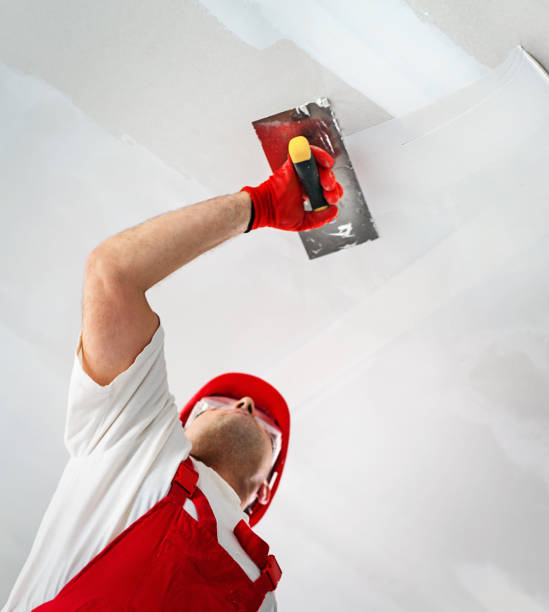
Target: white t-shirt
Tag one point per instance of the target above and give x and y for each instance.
(125, 442)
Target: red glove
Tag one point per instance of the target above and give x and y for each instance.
(278, 202)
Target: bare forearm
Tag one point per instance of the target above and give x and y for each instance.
(145, 254)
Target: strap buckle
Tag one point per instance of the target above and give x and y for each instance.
(272, 571)
(186, 477)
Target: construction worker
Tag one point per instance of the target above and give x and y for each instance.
(149, 514)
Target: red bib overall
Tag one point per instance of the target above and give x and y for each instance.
(166, 560)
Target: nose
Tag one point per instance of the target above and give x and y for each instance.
(247, 404)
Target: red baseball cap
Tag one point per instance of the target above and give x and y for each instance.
(268, 400)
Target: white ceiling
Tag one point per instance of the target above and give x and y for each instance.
(418, 475)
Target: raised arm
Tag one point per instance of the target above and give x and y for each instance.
(117, 321)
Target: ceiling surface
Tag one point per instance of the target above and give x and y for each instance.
(416, 366)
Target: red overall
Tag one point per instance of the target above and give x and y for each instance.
(166, 560)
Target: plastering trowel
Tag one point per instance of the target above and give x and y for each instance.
(316, 122)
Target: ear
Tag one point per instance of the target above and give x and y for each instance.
(264, 494)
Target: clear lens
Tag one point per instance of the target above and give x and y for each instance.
(227, 403)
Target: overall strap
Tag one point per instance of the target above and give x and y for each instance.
(258, 550)
(184, 482)
(184, 487)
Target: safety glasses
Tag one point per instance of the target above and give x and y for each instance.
(218, 402)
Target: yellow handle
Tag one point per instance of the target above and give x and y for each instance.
(299, 149)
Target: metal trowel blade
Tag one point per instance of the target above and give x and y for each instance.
(316, 121)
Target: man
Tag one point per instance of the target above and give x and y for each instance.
(140, 520)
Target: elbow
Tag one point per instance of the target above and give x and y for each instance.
(102, 264)
(93, 262)
(95, 265)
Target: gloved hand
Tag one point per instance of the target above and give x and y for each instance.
(278, 202)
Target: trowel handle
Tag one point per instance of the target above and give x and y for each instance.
(305, 166)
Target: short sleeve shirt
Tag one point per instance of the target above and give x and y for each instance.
(125, 442)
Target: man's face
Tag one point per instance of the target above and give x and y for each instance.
(235, 444)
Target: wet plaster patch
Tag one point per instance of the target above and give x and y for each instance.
(381, 49)
(174, 79)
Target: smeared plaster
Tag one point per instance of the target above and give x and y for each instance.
(171, 77)
(382, 49)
